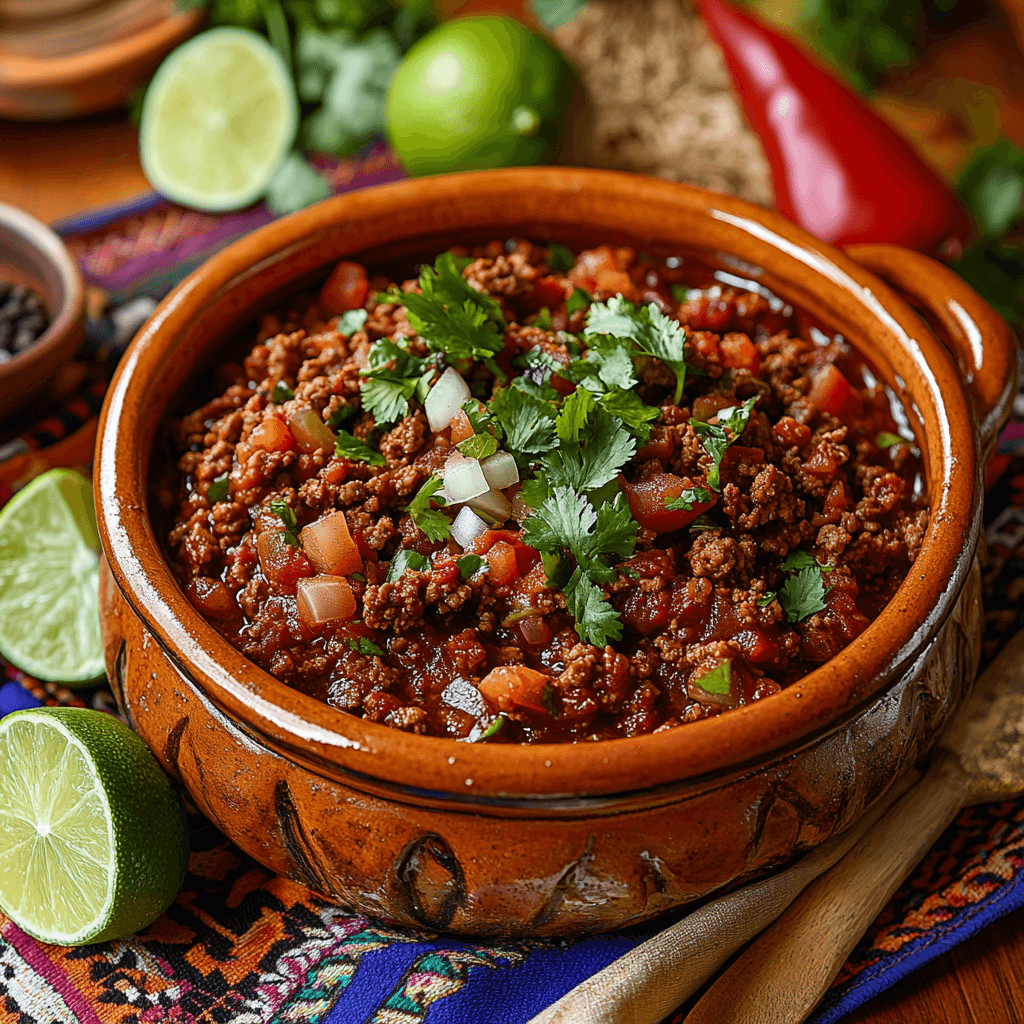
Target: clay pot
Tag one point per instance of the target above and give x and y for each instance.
(556, 839)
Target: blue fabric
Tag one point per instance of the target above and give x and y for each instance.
(14, 697)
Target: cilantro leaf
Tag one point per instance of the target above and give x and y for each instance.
(363, 645)
(716, 438)
(797, 560)
(352, 320)
(887, 440)
(688, 497)
(218, 489)
(404, 560)
(573, 416)
(613, 360)
(629, 407)
(469, 565)
(281, 393)
(803, 594)
(479, 417)
(579, 300)
(284, 512)
(350, 447)
(387, 397)
(703, 522)
(597, 621)
(436, 525)
(617, 317)
(342, 413)
(478, 446)
(718, 680)
(597, 458)
(535, 492)
(559, 257)
(526, 423)
(393, 377)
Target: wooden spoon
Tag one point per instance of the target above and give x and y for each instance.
(646, 984)
(979, 759)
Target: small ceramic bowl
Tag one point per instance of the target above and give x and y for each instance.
(75, 84)
(31, 254)
(559, 838)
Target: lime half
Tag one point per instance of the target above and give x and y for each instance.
(49, 580)
(93, 840)
(219, 116)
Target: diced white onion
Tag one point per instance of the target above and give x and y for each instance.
(493, 504)
(324, 599)
(463, 479)
(501, 470)
(445, 399)
(467, 527)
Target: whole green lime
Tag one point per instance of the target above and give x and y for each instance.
(475, 93)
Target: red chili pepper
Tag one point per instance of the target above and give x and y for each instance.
(839, 170)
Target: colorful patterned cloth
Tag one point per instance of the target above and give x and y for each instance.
(243, 945)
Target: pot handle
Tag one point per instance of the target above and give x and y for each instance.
(980, 340)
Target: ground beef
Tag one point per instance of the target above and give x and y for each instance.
(460, 649)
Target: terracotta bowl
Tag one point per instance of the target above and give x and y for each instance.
(556, 839)
(75, 84)
(31, 254)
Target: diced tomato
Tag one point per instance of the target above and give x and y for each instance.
(705, 345)
(489, 538)
(272, 435)
(659, 446)
(512, 686)
(329, 546)
(561, 385)
(648, 498)
(646, 611)
(706, 407)
(589, 264)
(533, 630)
(830, 390)
(346, 288)
(460, 426)
(281, 563)
(740, 353)
(526, 557)
(788, 433)
(615, 282)
(367, 553)
(547, 291)
(704, 313)
(759, 648)
(502, 566)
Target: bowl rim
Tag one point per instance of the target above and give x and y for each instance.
(328, 739)
(71, 310)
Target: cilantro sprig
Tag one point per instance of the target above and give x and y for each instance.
(567, 529)
(804, 591)
(286, 514)
(436, 525)
(716, 438)
(688, 497)
(404, 560)
(350, 447)
(393, 377)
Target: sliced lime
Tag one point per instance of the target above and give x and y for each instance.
(218, 118)
(93, 840)
(49, 578)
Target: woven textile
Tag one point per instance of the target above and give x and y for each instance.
(241, 944)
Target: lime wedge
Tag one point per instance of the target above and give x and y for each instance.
(93, 839)
(219, 116)
(49, 580)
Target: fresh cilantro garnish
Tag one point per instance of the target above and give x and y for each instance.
(602, 449)
(452, 317)
(391, 380)
(363, 645)
(567, 524)
(803, 594)
(718, 680)
(352, 320)
(680, 292)
(342, 413)
(218, 489)
(492, 730)
(535, 492)
(281, 393)
(578, 301)
(358, 577)
(797, 560)
(559, 257)
(613, 360)
(624, 570)
(716, 438)
(573, 416)
(629, 407)
(767, 599)
(689, 497)
(887, 440)
(351, 448)
(283, 511)
(525, 422)
(478, 446)
(405, 559)
(542, 321)
(436, 525)
(469, 565)
(479, 417)
(653, 333)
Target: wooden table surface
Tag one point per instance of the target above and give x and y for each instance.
(57, 170)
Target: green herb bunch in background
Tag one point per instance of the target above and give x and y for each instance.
(342, 54)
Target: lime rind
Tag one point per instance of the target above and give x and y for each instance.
(93, 839)
(219, 116)
(49, 580)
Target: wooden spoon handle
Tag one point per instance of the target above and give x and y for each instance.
(781, 977)
(646, 984)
